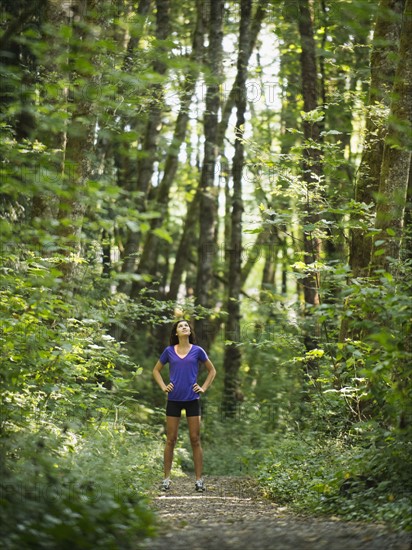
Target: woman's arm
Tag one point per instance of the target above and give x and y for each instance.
(210, 377)
(158, 377)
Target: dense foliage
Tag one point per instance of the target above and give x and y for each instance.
(242, 164)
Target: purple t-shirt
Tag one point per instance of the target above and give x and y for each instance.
(183, 372)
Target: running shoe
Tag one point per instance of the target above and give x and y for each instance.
(200, 485)
(166, 484)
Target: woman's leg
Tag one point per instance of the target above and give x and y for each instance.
(194, 433)
(172, 427)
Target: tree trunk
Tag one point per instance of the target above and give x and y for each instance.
(142, 11)
(233, 357)
(151, 246)
(149, 146)
(210, 329)
(45, 205)
(77, 154)
(396, 157)
(406, 251)
(383, 66)
(311, 165)
(270, 266)
(181, 258)
(231, 100)
(207, 189)
(147, 154)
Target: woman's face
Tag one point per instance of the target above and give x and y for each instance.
(183, 329)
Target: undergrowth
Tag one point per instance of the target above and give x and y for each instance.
(363, 479)
(69, 490)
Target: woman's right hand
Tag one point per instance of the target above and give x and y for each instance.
(169, 388)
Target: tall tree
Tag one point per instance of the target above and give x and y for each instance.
(406, 252)
(397, 156)
(148, 152)
(382, 66)
(148, 261)
(208, 190)
(311, 165)
(226, 111)
(232, 359)
(78, 138)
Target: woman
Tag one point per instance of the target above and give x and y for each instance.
(183, 356)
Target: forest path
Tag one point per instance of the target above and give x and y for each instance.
(233, 514)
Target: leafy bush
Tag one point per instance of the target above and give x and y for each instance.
(77, 452)
(85, 491)
(367, 479)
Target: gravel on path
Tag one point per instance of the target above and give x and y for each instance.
(233, 514)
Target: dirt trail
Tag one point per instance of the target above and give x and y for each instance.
(232, 514)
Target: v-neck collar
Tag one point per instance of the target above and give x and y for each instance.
(184, 357)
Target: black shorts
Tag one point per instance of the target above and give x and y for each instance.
(174, 408)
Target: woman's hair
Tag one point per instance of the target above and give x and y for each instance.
(173, 336)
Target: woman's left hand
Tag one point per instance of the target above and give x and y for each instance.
(198, 389)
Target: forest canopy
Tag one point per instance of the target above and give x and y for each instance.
(245, 165)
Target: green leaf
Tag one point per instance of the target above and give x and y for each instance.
(163, 234)
(133, 226)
